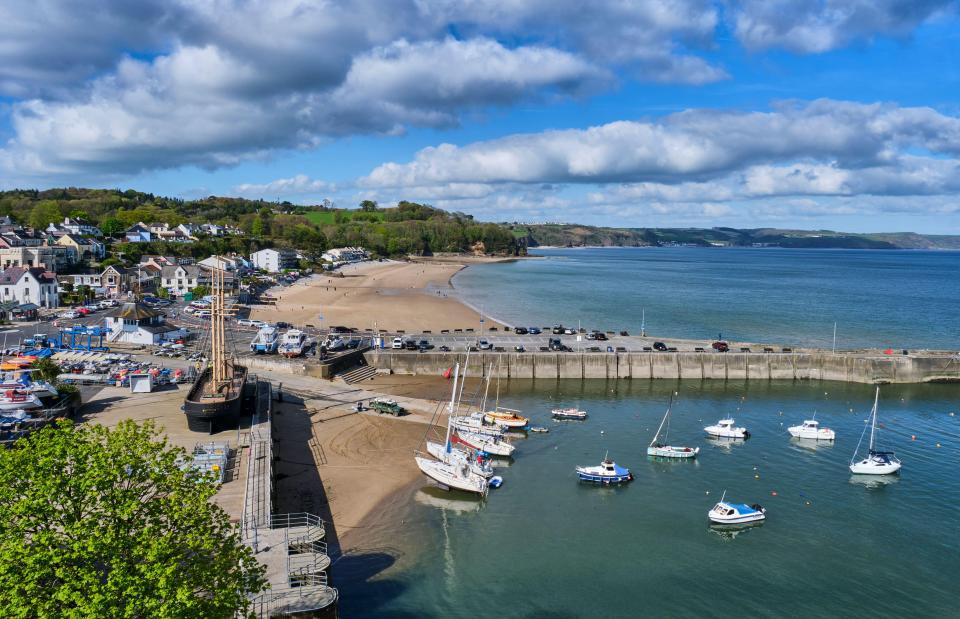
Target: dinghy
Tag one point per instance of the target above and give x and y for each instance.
(876, 462)
(735, 513)
(506, 418)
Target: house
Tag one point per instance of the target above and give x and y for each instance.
(77, 227)
(189, 230)
(29, 285)
(158, 261)
(136, 323)
(182, 278)
(114, 281)
(7, 224)
(165, 232)
(85, 247)
(345, 254)
(232, 263)
(52, 258)
(91, 280)
(139, 233)
(274, 260)
(21, 238)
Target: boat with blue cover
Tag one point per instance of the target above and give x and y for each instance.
(735, 513)
(607, 473)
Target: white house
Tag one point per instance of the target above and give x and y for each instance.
(77, 227)
(182, 278)
(29, 285)
(345, 254)
(274, 260)
(138, 324)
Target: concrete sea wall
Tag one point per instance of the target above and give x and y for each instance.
(816, 365)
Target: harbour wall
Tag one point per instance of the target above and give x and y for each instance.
(845, 367)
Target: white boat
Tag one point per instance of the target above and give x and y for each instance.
(495, 445)
(452, 476)
(26, 383)
(265, 341)
(660, 449)
(568, 413)
(735, 513)
(451, 455)
(14, 399)
(474, 423)
(725, 429)
(506, 418)
(448, 471)
(293, 343)
(810, 429)
(876, 462)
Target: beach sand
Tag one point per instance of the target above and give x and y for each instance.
(389, 296)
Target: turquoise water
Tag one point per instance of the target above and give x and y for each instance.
(545, 545)
(901, 299)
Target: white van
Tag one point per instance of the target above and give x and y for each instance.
(397, 343)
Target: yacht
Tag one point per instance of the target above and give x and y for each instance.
(735, 513)
(659, 448)
(474, 423)
(876, 462)
(506, 418)
(495, 445)
(474, 459)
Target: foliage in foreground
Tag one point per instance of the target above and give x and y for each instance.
(99, 522)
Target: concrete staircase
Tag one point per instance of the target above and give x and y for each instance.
(357, 374)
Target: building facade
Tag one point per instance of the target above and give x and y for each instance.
(29, 285)
(274, 260)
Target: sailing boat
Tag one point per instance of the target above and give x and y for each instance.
(452, 472)
(660, 450)
(876, 462)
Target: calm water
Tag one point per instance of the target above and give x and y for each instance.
(902, 299)
(545, 545)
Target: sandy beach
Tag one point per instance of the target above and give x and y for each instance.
(389, 296)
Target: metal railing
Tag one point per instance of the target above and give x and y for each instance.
(302, 599)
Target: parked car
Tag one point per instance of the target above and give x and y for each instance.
(242, 322)
(424, 345)
(601, 336)
(534, 330)
(71, 314)
(484, 345)
(660, 346)
(521, 331)
(397, 343)
(444, 348)
(720, 346)
(519, 348)
(410, 345)
(558, 329)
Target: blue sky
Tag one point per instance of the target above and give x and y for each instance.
(787, 113)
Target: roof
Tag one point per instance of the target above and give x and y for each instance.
(12, 275)
(134, 311)
(159, 328)
(191, 270)
(28, 307)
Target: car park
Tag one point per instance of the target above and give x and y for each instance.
(521, 330)
(534, 330)
(424, 345)
(444, 348)
(484, 345)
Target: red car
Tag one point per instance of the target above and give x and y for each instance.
(82, 310)
(720, 346)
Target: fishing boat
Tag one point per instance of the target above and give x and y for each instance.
(506, 418)
(660, 449)
(568, 413)
(475, 459)
(293, 343)
(810, 429)
(606, 473)
(876, 462)
(266, 340)
(735, 513)
(495, 445)
(215, 400)
(15, 399)
(725, 429)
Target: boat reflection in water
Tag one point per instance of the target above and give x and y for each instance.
(431, 496)
(724, 443)
(810, 444)
(731, 531)
(874, 481)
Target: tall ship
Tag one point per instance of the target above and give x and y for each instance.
(215, 400)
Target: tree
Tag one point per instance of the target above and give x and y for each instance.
(43, 214)
(112, 226)
(256, 228)
(46, 369)
(368, 205)
(100, 522)
(200, 291)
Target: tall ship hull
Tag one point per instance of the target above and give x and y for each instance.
(208, 412)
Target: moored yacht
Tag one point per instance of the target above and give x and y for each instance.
(876, 462)
(474, 459)
(568, 413)
(506, 418)
(495, 445)
(659, 448)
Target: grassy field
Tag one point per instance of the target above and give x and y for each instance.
(326, 218)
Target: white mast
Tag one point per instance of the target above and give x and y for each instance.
(873, 423)
(453, 398)
(662, 421)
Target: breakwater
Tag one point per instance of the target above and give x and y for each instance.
(868, 368)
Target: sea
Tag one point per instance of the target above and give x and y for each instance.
(833, 545)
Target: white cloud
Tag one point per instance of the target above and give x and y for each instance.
(301, 184)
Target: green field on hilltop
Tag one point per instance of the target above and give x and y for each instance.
(329, 218)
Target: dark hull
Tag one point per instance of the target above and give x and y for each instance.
(208, 415)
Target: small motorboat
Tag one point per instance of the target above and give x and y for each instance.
(736, 513)
(540, 429)
(811, 429)
(607, 473)
(495, 482)
(505, 418)
(725, 429)
(569, 413)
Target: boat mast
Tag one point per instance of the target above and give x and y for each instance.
(662, 421)
(453, 398)
(220, 371)
(873, 423)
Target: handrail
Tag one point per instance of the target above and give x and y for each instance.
(295, 519)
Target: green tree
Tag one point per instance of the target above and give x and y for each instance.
(368, 205)
(200, 291)
(46, 369)
(256, 228)
(112, 226)
(100, 522)
(43, 214)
